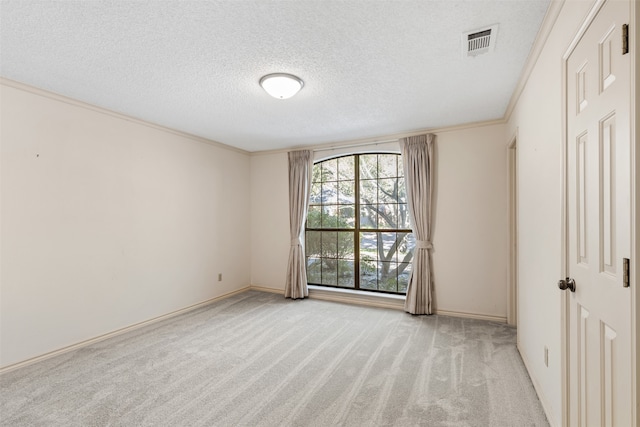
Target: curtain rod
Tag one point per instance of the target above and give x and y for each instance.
(338, 147)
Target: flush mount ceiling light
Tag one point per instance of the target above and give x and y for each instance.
(281, 85)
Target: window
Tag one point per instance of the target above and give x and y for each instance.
(357, 231)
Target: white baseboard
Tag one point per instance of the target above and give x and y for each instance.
(488, 317)
(115, 333)
(543, 400)
(263, 289)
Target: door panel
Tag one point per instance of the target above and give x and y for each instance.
(599, 222)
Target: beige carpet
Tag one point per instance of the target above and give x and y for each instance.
(256, 359)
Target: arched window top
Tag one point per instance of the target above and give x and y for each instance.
(357, 232)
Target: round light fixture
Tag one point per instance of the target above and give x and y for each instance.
(281, 85)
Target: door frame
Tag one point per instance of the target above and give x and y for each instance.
(512, 197)
(634, 39)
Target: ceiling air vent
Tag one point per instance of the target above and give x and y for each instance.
(481, 41)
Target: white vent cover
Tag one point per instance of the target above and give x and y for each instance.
(480, 41)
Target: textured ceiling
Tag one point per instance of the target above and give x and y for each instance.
(371, 68)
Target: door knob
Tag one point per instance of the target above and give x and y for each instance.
(567, 283)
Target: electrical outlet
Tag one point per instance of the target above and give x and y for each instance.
(546, 356)
(219, 277)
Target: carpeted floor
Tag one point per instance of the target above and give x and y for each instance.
(256, 359)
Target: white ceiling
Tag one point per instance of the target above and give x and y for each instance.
(371, 67)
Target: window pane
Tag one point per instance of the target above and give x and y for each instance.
(346, 247)
(368, 191)
(317, 172)
(388, 190)
(368, 216)
(387, 165)
(346, 216)
(387, 276)
(330, 193)
(314, 272)
(346, 168)
(368, 273)
(313, 247)
(329, 244)
(315, 197)
(403, 217)
(345, 273)
(388, 245)
(369, 246)
(329, 271)
(313, 217)
(330, 216)
(330, 170)
(387, 216)
(369, 166)
(346, 192)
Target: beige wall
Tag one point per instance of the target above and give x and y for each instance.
(471, 222)
(270, 240)
(537, 120)
(470, 236)
(107, 222)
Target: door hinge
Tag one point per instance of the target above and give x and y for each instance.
(625, 39)
(626, 281)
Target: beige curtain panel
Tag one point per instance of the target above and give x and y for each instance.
(300, 169)
(417, 159)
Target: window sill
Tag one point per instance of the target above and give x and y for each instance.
(351, 296)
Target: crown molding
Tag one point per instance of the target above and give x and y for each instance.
(380, 139)
(81, 104)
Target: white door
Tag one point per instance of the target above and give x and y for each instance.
(599, 360)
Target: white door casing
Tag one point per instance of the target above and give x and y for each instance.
(512, 270)
(598, 315)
